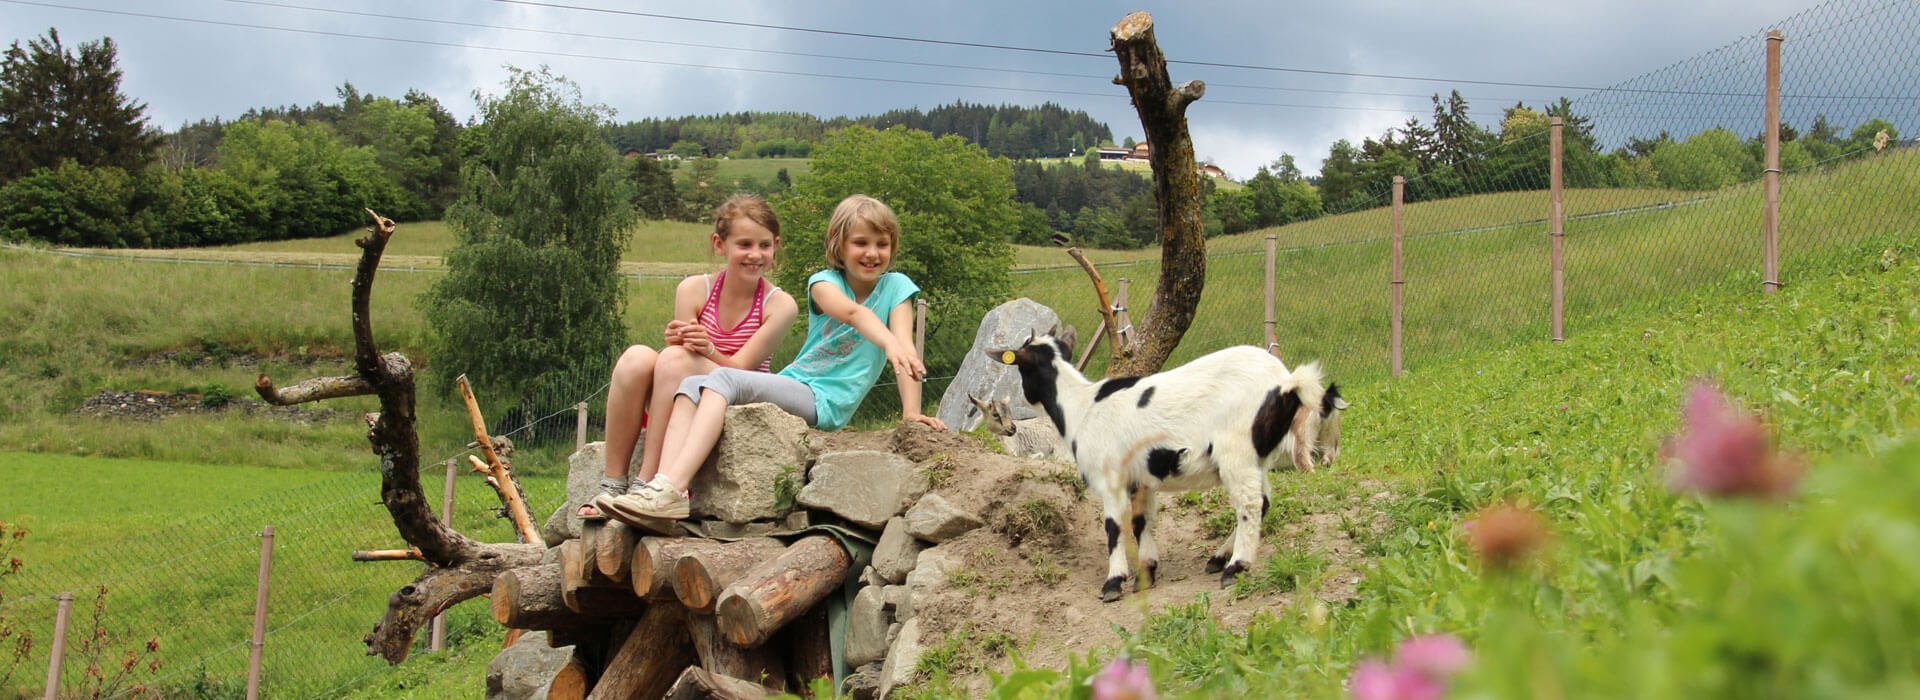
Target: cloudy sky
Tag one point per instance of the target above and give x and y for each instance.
(1282, 76)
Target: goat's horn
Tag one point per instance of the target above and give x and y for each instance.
(1031, 334)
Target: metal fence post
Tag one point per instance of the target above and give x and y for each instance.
(59, 651)
(1273, 339)
(437, 636)
(1556, 214)
(580, 426)
(1393, 342)
(1771, 217)
(260, 614)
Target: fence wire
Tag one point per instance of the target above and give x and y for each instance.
(1476, 275)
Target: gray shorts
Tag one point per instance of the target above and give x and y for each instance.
(739, 386)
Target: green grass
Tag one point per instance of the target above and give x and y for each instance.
(649, 242)
(177, 546)
(759, 169)
(1643, 593)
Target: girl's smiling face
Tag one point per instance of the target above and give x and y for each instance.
(866, 253)
(749, 248)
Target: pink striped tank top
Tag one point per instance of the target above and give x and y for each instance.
(729, 340)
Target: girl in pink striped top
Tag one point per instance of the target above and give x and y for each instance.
(732, 319)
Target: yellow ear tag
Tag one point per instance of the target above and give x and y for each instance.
(1006, 357)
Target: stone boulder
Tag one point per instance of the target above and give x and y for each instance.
(936, 520)
(585, 468)
(759, 443)
(1006, 326)
(523, 671)
(867, 488)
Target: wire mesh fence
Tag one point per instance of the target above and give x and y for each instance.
(1476, 274)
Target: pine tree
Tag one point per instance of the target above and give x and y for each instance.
(57, 105)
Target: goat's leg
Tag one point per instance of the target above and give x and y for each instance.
(1114, 506)
(1145, 505)
(1241, 474)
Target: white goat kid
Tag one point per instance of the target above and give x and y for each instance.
(1032, 437)
(1222, 419)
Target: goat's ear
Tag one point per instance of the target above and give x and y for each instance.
(1071, 337)
(1004, 357)
(977, 403)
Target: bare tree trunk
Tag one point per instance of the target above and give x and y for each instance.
(1176, 184)
(462, 567)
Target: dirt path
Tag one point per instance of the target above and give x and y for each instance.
(1030, 579)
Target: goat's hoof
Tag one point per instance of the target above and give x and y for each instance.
(1111, 592)
(1150, 574)
(1216, 564)
(1231, 573)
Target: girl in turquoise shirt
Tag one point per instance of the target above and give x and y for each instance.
(860, 319)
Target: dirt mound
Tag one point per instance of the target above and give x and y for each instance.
(156, 405)
(1030, 580)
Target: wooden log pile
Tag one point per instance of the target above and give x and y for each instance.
(680, 617)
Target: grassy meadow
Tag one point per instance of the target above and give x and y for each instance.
(1662, 289)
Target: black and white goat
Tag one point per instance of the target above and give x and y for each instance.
(1222, 419)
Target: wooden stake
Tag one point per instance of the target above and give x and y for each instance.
(1557, 233)
(408, 554)
(1273, 335)
(59, 655)
(1108, 323)
(1770, 217)
(522, 523)
(259, 642)
(1393, 341)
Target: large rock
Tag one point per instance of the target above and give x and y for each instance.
(867, 488)
(936, 519)
(1006, 326)
(759, 443)
(894, 555)
(523, 671)
(903, 658)
(866, 628)
(585, 468)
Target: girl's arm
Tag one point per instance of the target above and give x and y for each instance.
(837, 305)
(688, 297)
(776, 316)
(900, 322)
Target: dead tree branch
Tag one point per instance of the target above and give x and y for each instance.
(1162, 107)
(1108, 324)
(463, 568)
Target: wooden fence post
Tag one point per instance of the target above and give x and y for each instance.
(437, 636)
(1771, 216)
(260, 614)
(1273, 339)
(920, 328)
(579, 426)
(59, 651)
(1556, 215)
(1393, 342)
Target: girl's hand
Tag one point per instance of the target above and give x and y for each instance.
(694, 337)
(928, 421)
(906, 362)
(673, 335)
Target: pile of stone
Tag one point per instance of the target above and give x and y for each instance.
(767, 479)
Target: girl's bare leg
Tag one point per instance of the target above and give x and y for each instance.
(627, 396)
(692, 437)
(674, 366)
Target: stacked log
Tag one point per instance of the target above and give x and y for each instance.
(647, 638)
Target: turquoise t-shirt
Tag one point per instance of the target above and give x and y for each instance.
(836, 361)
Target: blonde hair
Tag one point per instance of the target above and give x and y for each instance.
(859, 208)
(745, 206)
